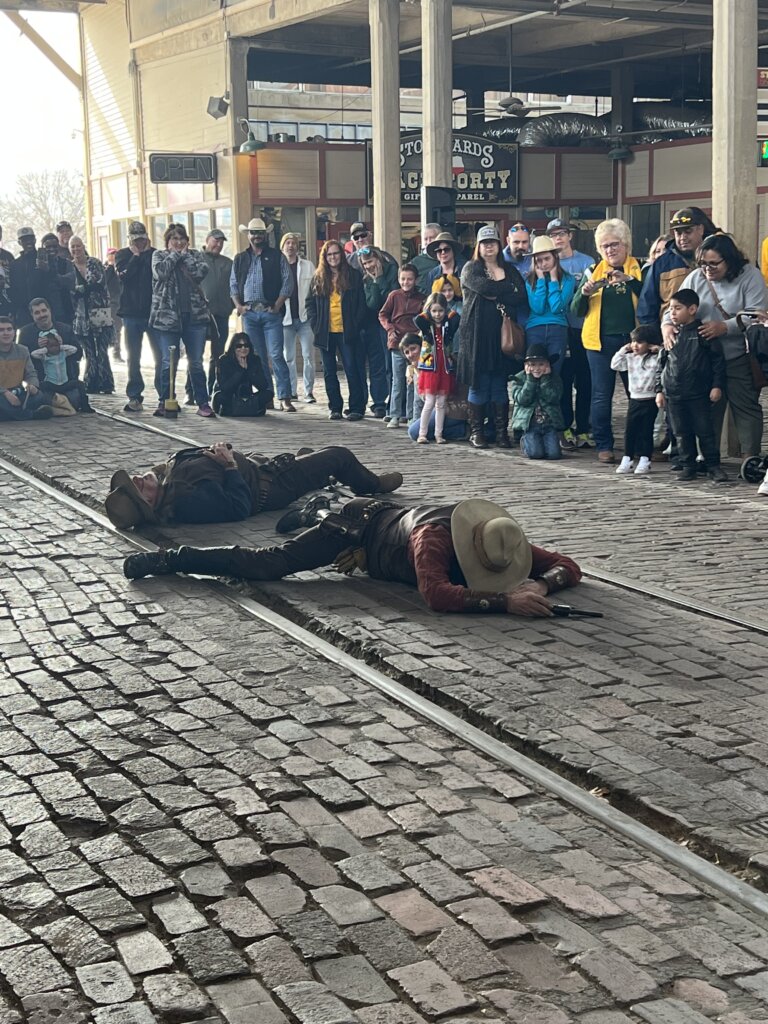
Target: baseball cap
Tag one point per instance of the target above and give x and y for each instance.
(358, 228)
(63, 224)
(137, 230)
(558, 224)
(488, 233)
(24, 232)
(218, 234)
(688, 217)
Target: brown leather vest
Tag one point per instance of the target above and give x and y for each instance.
(386, 540)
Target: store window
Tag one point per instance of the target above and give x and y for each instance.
(645, 222)
(222, 219)
(201, 225)
(310, 132)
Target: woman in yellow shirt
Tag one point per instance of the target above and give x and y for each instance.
(336, 308)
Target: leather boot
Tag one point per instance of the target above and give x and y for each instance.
(476, 420)
(501, 422)
(147, 563)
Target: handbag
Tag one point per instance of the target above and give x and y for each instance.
(512, 336)
(101, 316)
(248, 405)
(758, 376)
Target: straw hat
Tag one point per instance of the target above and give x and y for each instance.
(124, 503)
(542, 244)
(254, 224)
(490, 545)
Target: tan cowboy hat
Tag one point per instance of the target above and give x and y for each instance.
(444, 236)
(492, 549)
(542, 244)
(254, 224)
(125, 505)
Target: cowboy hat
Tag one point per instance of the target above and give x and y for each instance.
(491, 548)
(542, 244)
(538, 351)
(125, 505)
(254, 224)
(444, 236)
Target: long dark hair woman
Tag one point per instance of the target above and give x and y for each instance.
(490, 287)
(336, 308)
(241, 387)
(726, 282)
(179, 312)
(92, 324)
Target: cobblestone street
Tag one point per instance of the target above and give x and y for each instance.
(202, 821)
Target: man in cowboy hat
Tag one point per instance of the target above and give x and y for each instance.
(260, 283)
(447, 251)
(468, 557)
(221, 485)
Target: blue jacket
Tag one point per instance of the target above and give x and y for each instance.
(665, 276)
(549, 300)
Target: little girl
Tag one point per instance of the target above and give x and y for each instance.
(449, 286)
(640, 358)
(437, 363)
(550, 290)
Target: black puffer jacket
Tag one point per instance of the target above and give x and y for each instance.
(692, 367)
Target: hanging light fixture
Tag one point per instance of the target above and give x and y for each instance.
(252, 145)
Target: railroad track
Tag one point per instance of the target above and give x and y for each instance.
(599, 810)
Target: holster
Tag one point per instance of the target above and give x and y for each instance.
(352, 523)
(267, 473)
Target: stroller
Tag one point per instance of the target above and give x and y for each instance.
(754, 323)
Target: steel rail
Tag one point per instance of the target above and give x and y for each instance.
(709, 874)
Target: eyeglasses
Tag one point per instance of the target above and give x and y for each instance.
(612, 245)
(333, 252)
(359, 238)
(712, 265)
(444, 248)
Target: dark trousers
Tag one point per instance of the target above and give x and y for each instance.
(354, 370)
(692, 418)
(310, 550)
(311, 472)
(575, 375)
(638, 429)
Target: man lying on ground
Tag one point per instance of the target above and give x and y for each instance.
(221, 485)
(468, 557)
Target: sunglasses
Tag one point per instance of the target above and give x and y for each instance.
(359, 238)
(259, 232)
(444, 248)
(519, 227)
(368, 251)
(241, 344)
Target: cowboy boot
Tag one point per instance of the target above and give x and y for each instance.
(476, 421)
(501, 422)
(147, 563)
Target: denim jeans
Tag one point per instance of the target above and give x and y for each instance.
(25, 410)
(603, 384)
(301, 332)
(397, 398)
(373, 341)
(553, 337)
(193, 337)
(453, 430)
(135, 329)
(351, 364)
(541, 443)
(266, 333)
(489, 388)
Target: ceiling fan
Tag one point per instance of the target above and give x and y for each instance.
(514, 106)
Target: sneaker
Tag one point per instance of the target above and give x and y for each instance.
(718, 475)
(643, 466)
(206, 411)
(626, 465)
(422, 440)
(43, 412)
(568, 441)
(583, 441)
(393, 423)
(133, 405)
(334, 416)
(379, 412)
(440, 440)
(160, 410)
(763, 488)
(310, 399)
(607, 457)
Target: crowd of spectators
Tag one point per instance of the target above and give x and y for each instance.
(522, 336)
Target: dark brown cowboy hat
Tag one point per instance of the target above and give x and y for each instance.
(444, 236)
(124, 504)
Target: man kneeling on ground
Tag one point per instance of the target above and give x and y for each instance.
(221, 485)
(468, 557)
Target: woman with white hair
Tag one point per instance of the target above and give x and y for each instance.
(607, 299)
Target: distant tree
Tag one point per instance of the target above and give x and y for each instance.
(40, 200)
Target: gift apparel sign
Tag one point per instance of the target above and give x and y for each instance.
(485, 173)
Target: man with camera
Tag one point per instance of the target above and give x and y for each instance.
(41, 273)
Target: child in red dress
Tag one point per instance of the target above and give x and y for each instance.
(438, 326)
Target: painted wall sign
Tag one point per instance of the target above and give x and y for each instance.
(484, 172)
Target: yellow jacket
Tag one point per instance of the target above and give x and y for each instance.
(764, 260)
(590, 332)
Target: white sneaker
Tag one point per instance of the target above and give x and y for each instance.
(763, 488)
(643, 466)
(668, 449)
(393, 423)
(625, 466)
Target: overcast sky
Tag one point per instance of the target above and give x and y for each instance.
(41, 108)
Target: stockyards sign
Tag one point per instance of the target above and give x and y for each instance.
(484, 172)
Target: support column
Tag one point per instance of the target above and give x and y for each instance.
(622, 97)
(734, 121)
(240, 166)
(437, 91)
(384, 17)
(475, 107)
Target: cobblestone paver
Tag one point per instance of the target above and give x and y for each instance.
(168, 855)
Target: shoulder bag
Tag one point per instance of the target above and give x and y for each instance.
(758, 376)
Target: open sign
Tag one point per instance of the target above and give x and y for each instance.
(181, 168)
